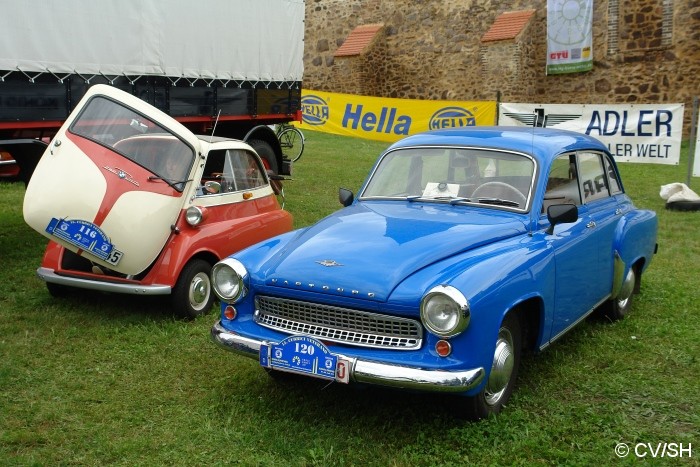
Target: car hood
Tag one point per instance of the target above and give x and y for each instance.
(366, 250)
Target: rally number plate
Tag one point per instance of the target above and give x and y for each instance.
(304, 355)
(86, 236)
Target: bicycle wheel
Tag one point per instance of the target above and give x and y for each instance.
(292, 143)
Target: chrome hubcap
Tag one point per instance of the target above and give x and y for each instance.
(200, 288)
(501, 369)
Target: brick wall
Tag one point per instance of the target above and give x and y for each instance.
(645, 51)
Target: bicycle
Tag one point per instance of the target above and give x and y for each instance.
(291, 140)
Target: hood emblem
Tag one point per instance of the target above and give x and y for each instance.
(121, 174)
(329, 263)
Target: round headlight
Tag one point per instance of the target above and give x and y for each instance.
(194, 215)
(228, 278)
(445, 311)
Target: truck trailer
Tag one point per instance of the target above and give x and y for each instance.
(228, 68)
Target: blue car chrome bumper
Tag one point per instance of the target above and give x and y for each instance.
(365, 371)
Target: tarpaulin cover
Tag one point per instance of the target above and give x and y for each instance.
(261, 40)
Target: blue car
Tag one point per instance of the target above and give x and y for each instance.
(464, 248)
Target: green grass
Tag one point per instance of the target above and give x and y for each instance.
(97, 379)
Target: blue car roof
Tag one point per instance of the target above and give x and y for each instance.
(543, 143)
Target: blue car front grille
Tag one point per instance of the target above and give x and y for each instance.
(342, 325)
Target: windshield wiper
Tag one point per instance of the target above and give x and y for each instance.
(170, 182)
(498, 202)
(451, 199)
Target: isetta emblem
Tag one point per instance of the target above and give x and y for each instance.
(121, 174)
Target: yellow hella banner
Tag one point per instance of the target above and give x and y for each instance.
(385, 119)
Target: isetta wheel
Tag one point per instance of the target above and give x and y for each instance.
(504, 371)
(192, 295)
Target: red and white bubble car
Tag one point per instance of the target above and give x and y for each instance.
(133, 202)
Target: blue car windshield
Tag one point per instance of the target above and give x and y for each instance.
(469, 175)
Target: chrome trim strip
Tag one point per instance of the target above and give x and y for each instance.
(569, 327)
(49, 275)
(365, 371)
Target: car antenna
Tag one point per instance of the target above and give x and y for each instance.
(213, 129)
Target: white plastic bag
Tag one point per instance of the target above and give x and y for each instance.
(678, 192)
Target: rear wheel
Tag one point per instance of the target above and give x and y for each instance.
(504, 371)
(192, 295)
(266, 153)
(618, 307)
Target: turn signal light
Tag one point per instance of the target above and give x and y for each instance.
(443, 348)
(230, 312)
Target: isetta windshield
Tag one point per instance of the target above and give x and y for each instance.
(137, 138)
(454, 174)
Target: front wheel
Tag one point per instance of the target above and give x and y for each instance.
(192, 295)
(57, 290)
(504, 370)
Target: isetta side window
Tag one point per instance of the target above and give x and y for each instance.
(234, 170)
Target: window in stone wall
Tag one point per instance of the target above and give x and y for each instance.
(639, 25)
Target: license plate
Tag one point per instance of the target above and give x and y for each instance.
(86, 236)
(304, 355)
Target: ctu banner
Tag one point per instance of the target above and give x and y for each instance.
(385, 119)
(569, 36)
(633, 133)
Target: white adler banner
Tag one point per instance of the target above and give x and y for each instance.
(633, 133)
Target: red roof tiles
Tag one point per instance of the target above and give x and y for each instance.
(508, 25)
(358, 40)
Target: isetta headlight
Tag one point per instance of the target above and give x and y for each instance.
(445, 311)
(229, 278)
(194, 215)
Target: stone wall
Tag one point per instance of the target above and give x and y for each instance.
(645, 51)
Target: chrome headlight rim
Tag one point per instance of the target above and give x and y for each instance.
(229, 277)
(461, 311)
(194, 215)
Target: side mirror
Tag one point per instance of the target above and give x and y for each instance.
(561, 214)
(345, 197)
(212, 187)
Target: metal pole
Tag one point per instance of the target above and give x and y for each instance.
(691, 144)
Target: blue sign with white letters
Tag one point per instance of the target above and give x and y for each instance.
(300, 354)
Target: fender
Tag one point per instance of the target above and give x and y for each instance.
(635, 238)
(196, 241)
(495, 279)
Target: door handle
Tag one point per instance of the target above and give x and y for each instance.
(590, 225)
